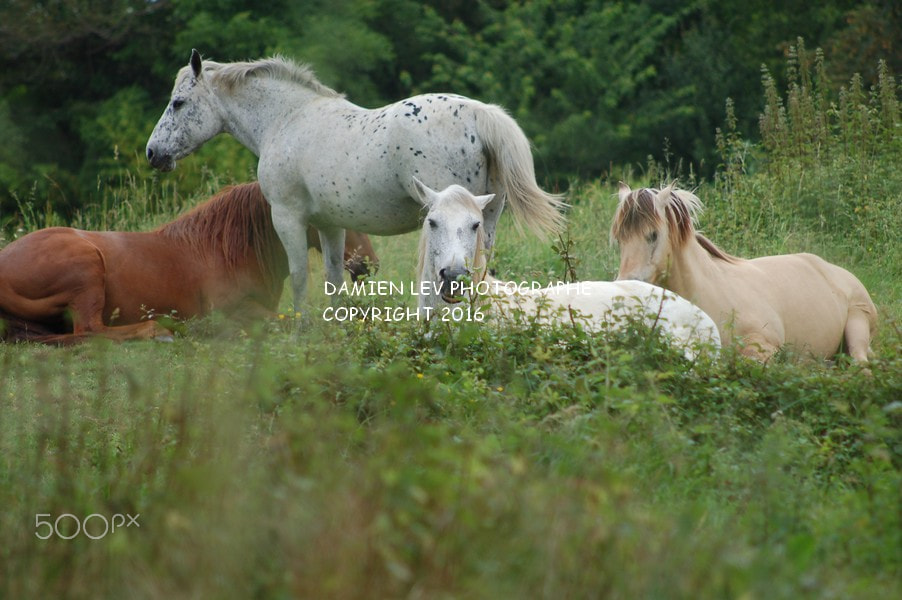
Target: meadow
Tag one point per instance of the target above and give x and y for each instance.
(368, 459)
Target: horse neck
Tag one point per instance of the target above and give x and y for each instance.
(254, 111)
(692, 268)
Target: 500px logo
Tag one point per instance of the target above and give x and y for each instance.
(81, 525)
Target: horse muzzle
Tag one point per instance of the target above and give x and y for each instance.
(161, 162)
(452, 288)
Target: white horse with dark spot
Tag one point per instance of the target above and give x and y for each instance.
(452, 266)
(327, 162)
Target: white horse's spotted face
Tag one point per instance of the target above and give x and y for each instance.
(645, 245)
(452, 236)
(190, 119)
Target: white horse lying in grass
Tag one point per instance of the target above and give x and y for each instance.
(795, 299)
(334, 165)
(451, 267)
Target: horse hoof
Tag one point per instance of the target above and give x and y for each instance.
(164, 338)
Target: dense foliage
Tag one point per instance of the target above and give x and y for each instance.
(593, 82)
(362, 462)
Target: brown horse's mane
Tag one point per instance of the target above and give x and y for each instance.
(234, 223)
(648, 208)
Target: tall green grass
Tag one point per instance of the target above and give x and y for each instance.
(365, 461)
(386, 460)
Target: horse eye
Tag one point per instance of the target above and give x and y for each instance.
(652, 237)
(476, 225)
(177, 104)
(432, 223)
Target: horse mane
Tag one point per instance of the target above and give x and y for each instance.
(464, 197)
(650, 208)
(421, 253)
(232, 75)
(232, 224)
(713, 249)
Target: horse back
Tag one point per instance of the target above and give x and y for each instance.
(146, 272)
(813, 299)
(37, 269)
(123, 275)
(848, 285)
(808, 273)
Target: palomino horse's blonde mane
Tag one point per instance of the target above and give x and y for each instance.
(231, 75)
(649, 208)
(479, 263)
(234, 223)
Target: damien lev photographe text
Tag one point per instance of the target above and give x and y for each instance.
(371, 287)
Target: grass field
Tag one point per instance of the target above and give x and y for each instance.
(366, 459)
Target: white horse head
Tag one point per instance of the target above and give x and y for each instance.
(190, 119)
(451, 243)
(650, 225)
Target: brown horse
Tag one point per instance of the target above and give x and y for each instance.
(61, 285)
(795, 299)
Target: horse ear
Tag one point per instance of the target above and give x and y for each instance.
(664, 194)
(483, 201)
(624, 192)
(195, 62)
(423, 194)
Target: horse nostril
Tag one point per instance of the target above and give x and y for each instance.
(443, 273)
(149, 154)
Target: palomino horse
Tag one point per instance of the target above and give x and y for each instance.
(61, 285)
(450, 250)
(327, 162)
(795, 299)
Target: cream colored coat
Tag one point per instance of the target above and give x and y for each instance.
(797, 300)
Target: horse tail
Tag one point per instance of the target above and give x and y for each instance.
(512, 172)
(17, 329)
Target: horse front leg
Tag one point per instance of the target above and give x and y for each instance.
(332, 242)
(292, 231)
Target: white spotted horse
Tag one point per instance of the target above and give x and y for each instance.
(326, 162)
